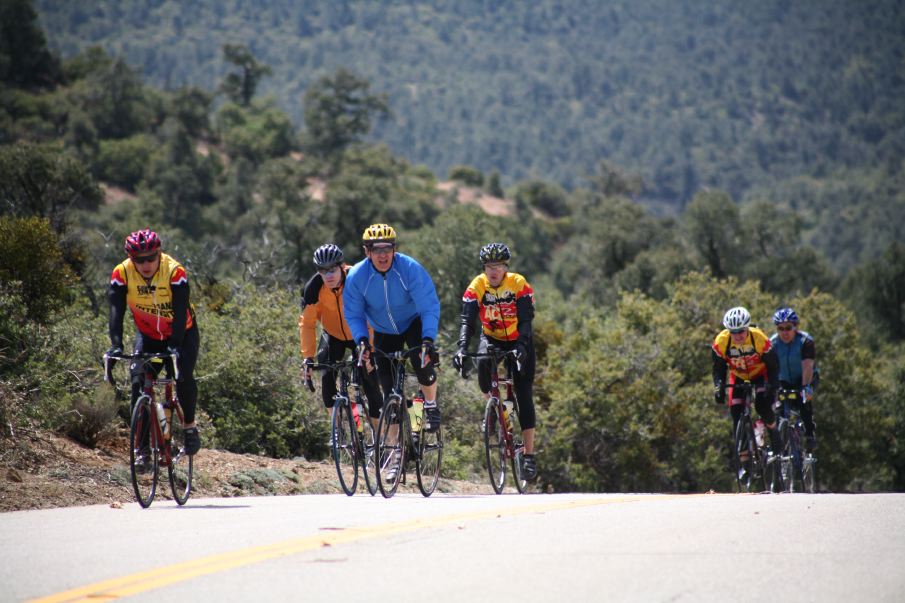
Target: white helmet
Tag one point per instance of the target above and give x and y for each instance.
(736, 318)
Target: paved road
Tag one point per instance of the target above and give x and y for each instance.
(551, 548)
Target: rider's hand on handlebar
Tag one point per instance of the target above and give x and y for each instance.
(114, 351)
(428, 352)
(719, 394)
(807, 392)
(458, 362)
(307, 365)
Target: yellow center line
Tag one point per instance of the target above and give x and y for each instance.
(163, 576)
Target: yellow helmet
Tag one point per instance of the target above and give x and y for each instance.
(378, 233)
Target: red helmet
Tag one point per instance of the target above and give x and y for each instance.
(142, 241)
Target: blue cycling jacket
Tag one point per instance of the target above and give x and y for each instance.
(390, 301)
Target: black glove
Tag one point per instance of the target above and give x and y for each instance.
(173, 351)
(364, 344)
(427, 347)
(114, 351)
(458, 362)
(719, 394)
(307, 363)
(521, 351)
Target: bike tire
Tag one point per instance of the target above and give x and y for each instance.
(742, 445)
(343, 444)
(367, 441)
(144, 464)
(786, 463)
(495, 445)
(796, 478)
(391, 446)
(180, 467)
(809, 475)
(428, 460)
(518, 455)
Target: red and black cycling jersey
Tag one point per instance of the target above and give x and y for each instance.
(160, 305)
(505, 311)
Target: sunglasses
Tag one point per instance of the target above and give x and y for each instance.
(144, 259)
(382, 250)
(329, 270)
(738, 331)
(790, 328)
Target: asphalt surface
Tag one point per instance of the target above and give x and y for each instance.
(608, 547)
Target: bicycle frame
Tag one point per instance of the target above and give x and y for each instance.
(758, 458)
(797, 465)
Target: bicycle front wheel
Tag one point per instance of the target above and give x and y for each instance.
(180, 465)
(391, 446)
(344, 445)
(427, 463)
(743, 455)
(143, 452)
(495, 445)
(809, 474)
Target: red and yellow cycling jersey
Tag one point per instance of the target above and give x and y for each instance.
(497, 305)
(151, 301)
(745, 361)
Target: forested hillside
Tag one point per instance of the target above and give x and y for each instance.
(243, 188)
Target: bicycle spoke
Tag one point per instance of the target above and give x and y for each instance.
(390, 450)
(369, 454)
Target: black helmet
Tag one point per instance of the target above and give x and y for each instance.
(327, 256)
(495, 252)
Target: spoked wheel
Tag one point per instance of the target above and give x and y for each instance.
(495, 445)
(518, 458)
(809, 474)
(773, 471)
(343, 443)
(743, 456)
(180, 466)
(427, 460)
(390, 446)
(143, 453)
(367, 460)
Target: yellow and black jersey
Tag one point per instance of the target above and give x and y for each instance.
(745, 361)
(500, 308)
(152, 301)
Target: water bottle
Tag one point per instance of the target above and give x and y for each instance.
(416, 413)
(759, 433)
(506, 405)
(356, 414)
(162, 417)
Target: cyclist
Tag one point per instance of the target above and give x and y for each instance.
(395, 295)
(746, 352)
(797, 353)
(322, 302)
(156, 289)
(504, 301)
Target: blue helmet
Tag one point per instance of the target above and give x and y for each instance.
(785, 315)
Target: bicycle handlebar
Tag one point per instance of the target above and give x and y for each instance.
(498, 354)
(108, 366)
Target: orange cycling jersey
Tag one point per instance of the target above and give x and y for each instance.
(324, 305)
(745, 361)
(497, 305)
(151, 301)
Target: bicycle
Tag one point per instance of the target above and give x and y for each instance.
(351, 434)
(396, 439)
(799, 472)
(752, 458)
(156, 431)
(500, 442)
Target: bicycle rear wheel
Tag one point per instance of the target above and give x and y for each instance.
(368, 453)
(743, 455)
(143, 452)
(343, 443)
(180, 465)
(428, 458)
(809, 474)
(391, 446)
(518, 456)
(495, 445)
